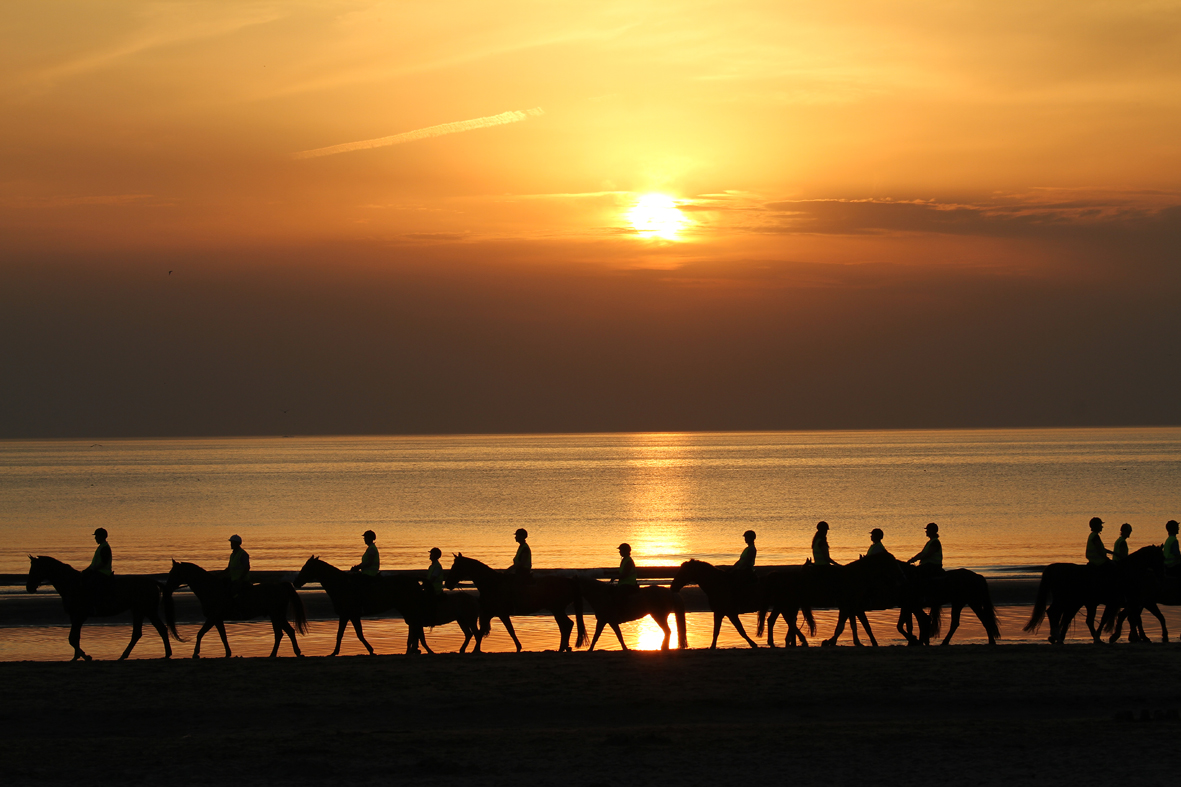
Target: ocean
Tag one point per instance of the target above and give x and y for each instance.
(1007, 501)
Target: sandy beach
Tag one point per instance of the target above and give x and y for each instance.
(966, 714)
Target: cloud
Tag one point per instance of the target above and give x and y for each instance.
(512, 116)
(1010, 218)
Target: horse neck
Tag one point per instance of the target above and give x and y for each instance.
(195, 577)
(327, 574)
(706, 575)
(480, 573)
(61, 576)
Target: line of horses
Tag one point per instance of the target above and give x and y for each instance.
(879, 582)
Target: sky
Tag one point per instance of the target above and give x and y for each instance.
(330, 217)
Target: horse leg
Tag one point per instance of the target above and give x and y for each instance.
(836, 634)
(717, 630)
(865, 622)
(221, 629)
(618, 635)
(1118, 629)
(508, 626)
(467, 634)
(738, 625)
(163, 630)
(1156, 613)
(906, 626)
(75, 639)
(278, 630)
(197, 647)
(662, 621)
(600, 624)
(853, 630)
(771, 626)
(565, 625)
(137, 631)
(360, 635)
(340, 627)
(956, 609)
(1091, 623)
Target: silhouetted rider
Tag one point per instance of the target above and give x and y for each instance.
(743, 571)
(432, 588)
(820, 556)
(522, 567)
(876, 547)
(102, 560)
(1119, 551)
(1172, 555)
(370, 566)
(930, 558)
(628, 583)
(238, 569)
(1096, 552)
(96, 577)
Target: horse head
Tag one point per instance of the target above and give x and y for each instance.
(458, 563)
(686, 575)
(305, 574)
(36, 574)
(181, 574)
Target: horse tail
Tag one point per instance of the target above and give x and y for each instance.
(582, 638)
(991, 624)
(936, 620)
(679, 612)
(297, 610)
(810, 620)
(1039, 606)
(170, 615)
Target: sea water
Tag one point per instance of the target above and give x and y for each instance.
(1005, 500)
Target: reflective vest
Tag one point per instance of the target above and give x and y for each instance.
(1096, 554)
(371, 561)
(239, 566)
(434, 578)
(1120, 549)
(932, 554)
(1172, 556)
(876, 548)
(747, 559)
(627, 571)
(101, 562)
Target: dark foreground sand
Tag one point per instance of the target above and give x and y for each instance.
(962, 715)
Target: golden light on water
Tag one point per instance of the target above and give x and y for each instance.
(657, 216)
(650, 637)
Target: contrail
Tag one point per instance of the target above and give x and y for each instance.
(512, 116)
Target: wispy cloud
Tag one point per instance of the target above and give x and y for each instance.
(512, 116)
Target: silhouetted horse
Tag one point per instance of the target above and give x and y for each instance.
(729, 594)
(503, 595)
(1146, 589)
(212, 589)
(957, 589)
(1070, 587)
(106, 596)
(868, 583)
(614, 605)
(787, 593)
(353, 596)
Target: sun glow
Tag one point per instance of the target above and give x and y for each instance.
(656, 215)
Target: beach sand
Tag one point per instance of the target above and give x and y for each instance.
(966, 715)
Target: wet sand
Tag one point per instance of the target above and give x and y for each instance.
(965, 715)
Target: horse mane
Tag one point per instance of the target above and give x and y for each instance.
(53, 561)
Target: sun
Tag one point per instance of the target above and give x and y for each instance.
(657, 216)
